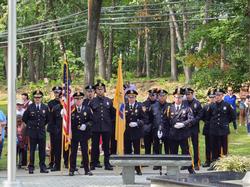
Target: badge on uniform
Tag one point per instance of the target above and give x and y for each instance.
(44, 111)
(224, 108)
(84, 113)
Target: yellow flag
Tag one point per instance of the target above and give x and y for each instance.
(119, 105)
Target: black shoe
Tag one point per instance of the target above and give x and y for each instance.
(92, 167)
(139, 172)
(55, 169)
(31, 171)
(44, 171)
(196, 167)
(71, 173)
(191, 171)
(98, 165)
(183, 168)
(108, 168)
(50, 167)
(89, 173)
(156, 167)
(76, 169)
(206, 164)
(211, 168)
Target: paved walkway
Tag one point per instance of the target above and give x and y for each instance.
(101, 177)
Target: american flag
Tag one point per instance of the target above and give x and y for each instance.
(68, 105)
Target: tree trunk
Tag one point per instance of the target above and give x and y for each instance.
(222, 56)
(174, 75)
(101, 54)
(110, 54)
(138, 60)
(40, 61)
(248, 18)
(147, 60)
(94, 10)
(21, 77)
(31, 65)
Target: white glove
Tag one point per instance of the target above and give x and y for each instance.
(159, 134)
(83, 127)
(133, 124)
(62, 113)
(179, 125)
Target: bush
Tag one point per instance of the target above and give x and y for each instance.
(233, 163)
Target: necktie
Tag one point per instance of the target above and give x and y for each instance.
(130, 107)
(178, 108)
(78, 109)
(37, 107)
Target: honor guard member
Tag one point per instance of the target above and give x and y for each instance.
(51, 127)
(181, 119)
(134, 126)
(81, 122)
(196, 107)
(147, 128)
(90, 94)
(221, 114)
(103, 119)
(159, 119)
(206, 118)
(36, 118)
(56, 126)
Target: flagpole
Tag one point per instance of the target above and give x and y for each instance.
(11, 168)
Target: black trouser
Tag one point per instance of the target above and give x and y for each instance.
(195, 143)
(20, 152)
(95, 147)
(219, 146)
(66, 157)
(148, 140)
(128, 144)
(58, 150)
(41, 148)
(52, 149)
(208, 149)
(174, 146)
(84, 149)
(158, 148)
(113, 145)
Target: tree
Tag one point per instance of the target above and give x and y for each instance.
(94, 10)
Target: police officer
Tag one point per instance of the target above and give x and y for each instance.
(160, 124)
(56, 131)
(221, 114)
(36, 118)
(206, 119)
(147, 128)
(90, 94)
(134, 126)
(81, 122)
(51, 127)
(181, 119)
(196, 107)
(103, 119)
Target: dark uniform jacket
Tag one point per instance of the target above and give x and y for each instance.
(51, 104)
(56, 120)
(147, 127)
(103, 114)
(220, 114)
(196, 108)
(36, 120)
(134, 114)
(184, 115)
(159, 118)
(205, 117)
(86, 102)
(85, 116)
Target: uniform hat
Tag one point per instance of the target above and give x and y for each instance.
(133, 92)
(57, 89)
(162, 92)
(219, 91)
(153, 91)
(19, 102)
(179, 91)
(78, 95)
(89, 87)
(211, 92)
(99, 84)
(38, 93)
(189, 90)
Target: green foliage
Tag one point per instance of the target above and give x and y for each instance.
(233, 163)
